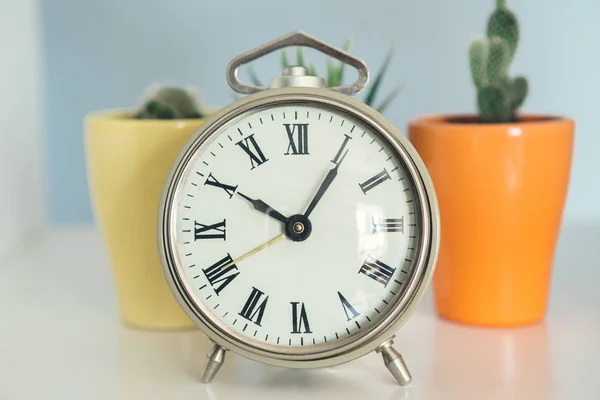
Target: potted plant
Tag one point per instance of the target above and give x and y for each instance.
(129, 154)
(501, 178)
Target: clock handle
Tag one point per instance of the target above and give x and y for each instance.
(297, 38)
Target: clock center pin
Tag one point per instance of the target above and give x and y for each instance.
(298, 228)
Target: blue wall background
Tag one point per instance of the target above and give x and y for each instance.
(103, 54)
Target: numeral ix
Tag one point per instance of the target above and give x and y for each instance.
(214, 231)
(298, 139)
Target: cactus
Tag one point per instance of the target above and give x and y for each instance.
(169, 103)
(498, 96)
(335, 75)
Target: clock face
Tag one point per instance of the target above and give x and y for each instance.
(295, 225)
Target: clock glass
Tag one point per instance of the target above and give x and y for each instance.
(295, 225)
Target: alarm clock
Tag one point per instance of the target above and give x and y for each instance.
(298, 227)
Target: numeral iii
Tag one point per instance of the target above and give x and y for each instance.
(388, 225)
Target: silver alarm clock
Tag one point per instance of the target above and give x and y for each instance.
(298, 226)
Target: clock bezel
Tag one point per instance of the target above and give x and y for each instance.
(326, 354)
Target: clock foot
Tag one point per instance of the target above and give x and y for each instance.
(216, 357)
(394, 363)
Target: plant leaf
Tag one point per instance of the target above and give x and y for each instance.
(379, 77)
(389, 98)
(478, 52)
(284, 59)
(312, 71)
(299, 57)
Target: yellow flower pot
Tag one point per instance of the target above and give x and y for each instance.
(128, 161)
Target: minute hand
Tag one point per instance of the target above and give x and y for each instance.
(324, 186)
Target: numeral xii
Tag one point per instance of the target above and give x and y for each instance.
(297, 135)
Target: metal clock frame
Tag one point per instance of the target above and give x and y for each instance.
(378, 338)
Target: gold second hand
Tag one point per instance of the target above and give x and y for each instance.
(256, 250)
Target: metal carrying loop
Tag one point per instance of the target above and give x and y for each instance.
(297, 38)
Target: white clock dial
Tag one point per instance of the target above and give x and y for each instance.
(331, 272)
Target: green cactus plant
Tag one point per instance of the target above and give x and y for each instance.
(169, 103)
(335, 76)
(498, 96)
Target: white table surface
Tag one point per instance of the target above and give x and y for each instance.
(60, 338)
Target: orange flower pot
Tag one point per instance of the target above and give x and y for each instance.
(501, 190)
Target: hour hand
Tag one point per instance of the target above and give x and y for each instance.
(264, 208)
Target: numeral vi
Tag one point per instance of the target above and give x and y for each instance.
(299, 319)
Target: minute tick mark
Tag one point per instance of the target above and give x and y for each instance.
(205, 163)
(372, 141)
(213, 154)
(250, 126)
(230, 139)
(353, 126)
(331, 119)
(357, 324)
(363, 134)
(342, 124)
(240, 131)
(395, 168)
(200, 174)
(221, 145)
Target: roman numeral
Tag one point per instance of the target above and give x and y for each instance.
(214, 231)
(216, 275)
(211, 180)
(298, 137)
(376, 270)
(256, 154)
(340, 154)
(348, 309)
(299, 320)
(251, 309)
(374, 181)
(388, 225)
